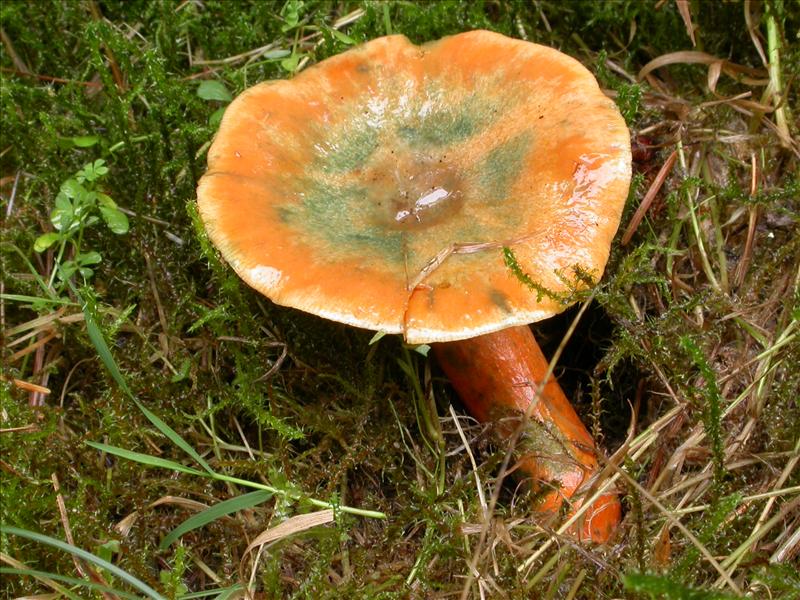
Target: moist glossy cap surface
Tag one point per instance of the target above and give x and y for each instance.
(379, 187)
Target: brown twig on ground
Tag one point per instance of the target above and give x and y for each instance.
(84, 570)
(49, 78)
(18, 62)
(112, 61)
(649, 196)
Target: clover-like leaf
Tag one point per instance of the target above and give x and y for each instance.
(214, 90)
(92, 171)
(290, 63)
(216, 117)
(291, 14)
(88, 258)
(72, 188)
(116, 220)
(344, 38)
(105, 200)
(100, 167)
(63, 214)
(85, 141)
(43, 242)
(67, 270)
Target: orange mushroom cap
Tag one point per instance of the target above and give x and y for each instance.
(379, 187)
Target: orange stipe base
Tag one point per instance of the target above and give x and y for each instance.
(497, 376)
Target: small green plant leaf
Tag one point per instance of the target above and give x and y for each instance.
(173, 436)
(344, 38)
(92, 171)
(422, 349)
(213, 513)
(61, 219)
(214, 90)
(291, 14)
(67, 269)
(275, 54)
(216, 117)
(116, 220)
(72, 188)
(88, 258)
(36, 299)
(377, 337)
(183, 371)
(85, 141)
(105, 200)
(89, 199)
(108, 550)
(290, 64)
(43, 242)
(63, 202)
(387, 19)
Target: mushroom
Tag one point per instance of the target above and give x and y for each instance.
(386, 188)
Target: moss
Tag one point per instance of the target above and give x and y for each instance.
(337, 419)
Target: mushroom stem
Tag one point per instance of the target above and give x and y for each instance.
(497, 376)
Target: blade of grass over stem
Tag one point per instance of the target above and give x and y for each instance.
(222, 593)
(99, 342)
(71, 580)
(37, 299)
(174, 466)
(44, 578)
(96, 336)
(691, 192)
(145, 459)
(173, 436)
(87, 556)
(213, 513)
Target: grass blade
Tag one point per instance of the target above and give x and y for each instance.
(222, 593)
(65, 579)
(32, 299)
(173, 436)
(99, 342)
(213, 513)
(87, 556)
(145, 459)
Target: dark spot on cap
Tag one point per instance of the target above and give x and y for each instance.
(500, 299)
